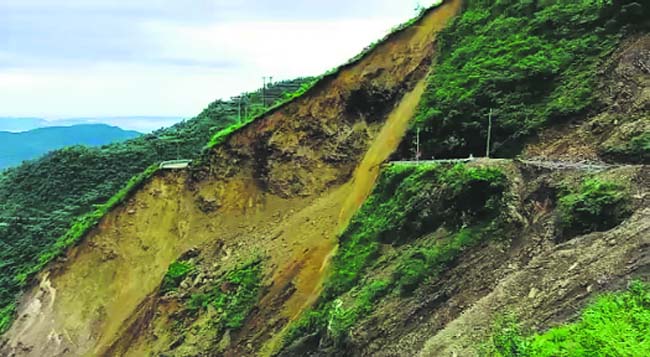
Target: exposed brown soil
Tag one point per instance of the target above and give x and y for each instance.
(283, 187)
(275, 189)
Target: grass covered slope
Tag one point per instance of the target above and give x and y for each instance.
(535, 63)
(596, 206)
(49, 203)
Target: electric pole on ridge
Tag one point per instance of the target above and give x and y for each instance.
(264, 92)
(417, 146)
(489, 135)
(239, 112)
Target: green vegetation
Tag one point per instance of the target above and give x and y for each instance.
(48, 204)
(407, 203)
(614, 325)
(85, 223)
(429, 262)
(597, 205)
(340, 319)
(175, 274)
(636, 150)
(6, 316)
(234, 296)
(533, 62)
(43, 199)
(289, 96)
(506, 340)
(258, 110)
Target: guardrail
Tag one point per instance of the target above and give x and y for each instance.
(548, 164)
(175, 164)
(429, 162)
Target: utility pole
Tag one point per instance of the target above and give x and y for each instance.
(246, 103)
(489, 135)
(239, 112)
(417, 146)
(264, 92)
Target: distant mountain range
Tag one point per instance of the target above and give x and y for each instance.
(27, 145)
(143, 124)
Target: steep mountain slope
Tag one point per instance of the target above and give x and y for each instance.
(293, 236)
(406, 286)
(101, 299)
(538, 67)
(434, 284)
(18, 147)
(618, 132)
(45, 201)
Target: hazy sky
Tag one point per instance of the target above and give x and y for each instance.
(73, 58)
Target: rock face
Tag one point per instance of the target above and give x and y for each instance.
(275, 189)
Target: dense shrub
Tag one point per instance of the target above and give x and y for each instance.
(429, 261)
(636, 150)
(507, 339)
(233, 296)
(175, 274)
(533, 62)
(408, 202)
(597, 205)
(614, 325)
(6, 316)
(341, 319)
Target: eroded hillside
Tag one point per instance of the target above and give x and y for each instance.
(428, 271)
(276, 190)
(294, 236)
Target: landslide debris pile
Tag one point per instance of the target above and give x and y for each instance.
(46, 201)
(262, 209)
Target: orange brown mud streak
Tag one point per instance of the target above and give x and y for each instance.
(103, 286)
(311, 279)
(385, 144)
(307, 282)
